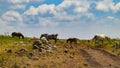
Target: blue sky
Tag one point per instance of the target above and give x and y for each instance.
(69, 18)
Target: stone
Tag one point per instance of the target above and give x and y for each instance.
(35, 58)
(9, 51)
(37, 44)
(30, 55)
(66, 50)
(85, 64)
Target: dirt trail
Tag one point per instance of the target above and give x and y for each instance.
(97, 58)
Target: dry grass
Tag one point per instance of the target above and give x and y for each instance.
(57, 59)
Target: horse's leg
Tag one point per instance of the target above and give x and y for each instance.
(67, 41)
(13, 36)
(55, 40)
(75, 42)
(19, 37)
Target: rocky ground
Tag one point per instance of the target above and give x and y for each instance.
(57, 55)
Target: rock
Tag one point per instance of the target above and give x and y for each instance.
(44, 40)
(72, 55)
(35, 58)
(54, 48)
(66, 50)
(24, 66)
(118, 54)
(9, 51)
(85, 64)
(43, 50)
(37, 44)
(22, 43)
(50, 51)
(30, 55)
(113, 51)
(40, 50)
(22, 50)
(110, 65)
(16, 43)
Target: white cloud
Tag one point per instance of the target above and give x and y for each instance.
(32, 11)
(17, 6)
(42, 9)
(78, 8)
(90, 15)
(18, 1)
(117, 7)
(4, 27)
(110, 17)
(36, 0)
(12, 17)
(79, 5)
(107, 5)
(47, 8)
(23, 1)
(47, 22)
(104, 5)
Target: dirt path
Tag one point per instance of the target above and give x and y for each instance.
(97, 58)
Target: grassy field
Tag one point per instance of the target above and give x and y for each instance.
(10, 58)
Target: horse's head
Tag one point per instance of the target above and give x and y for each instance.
(41, 36)
(20, 35)
(56, 35)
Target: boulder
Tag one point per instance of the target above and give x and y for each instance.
(37, 44)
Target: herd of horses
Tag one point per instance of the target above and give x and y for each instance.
(97, 37)
(47, 36)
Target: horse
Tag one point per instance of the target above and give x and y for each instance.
(17, 34)
(100, 38)
(50, 37)
(72, 40)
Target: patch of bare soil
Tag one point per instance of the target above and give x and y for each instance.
(97, 58)
(89, 59)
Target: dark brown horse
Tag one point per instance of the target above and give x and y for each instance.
(17, 34)
(72, 40)
(50, 37)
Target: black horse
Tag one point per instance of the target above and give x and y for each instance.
(17, 34)
(72, 40)
(50, 37)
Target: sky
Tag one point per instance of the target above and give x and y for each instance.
(68, 18)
